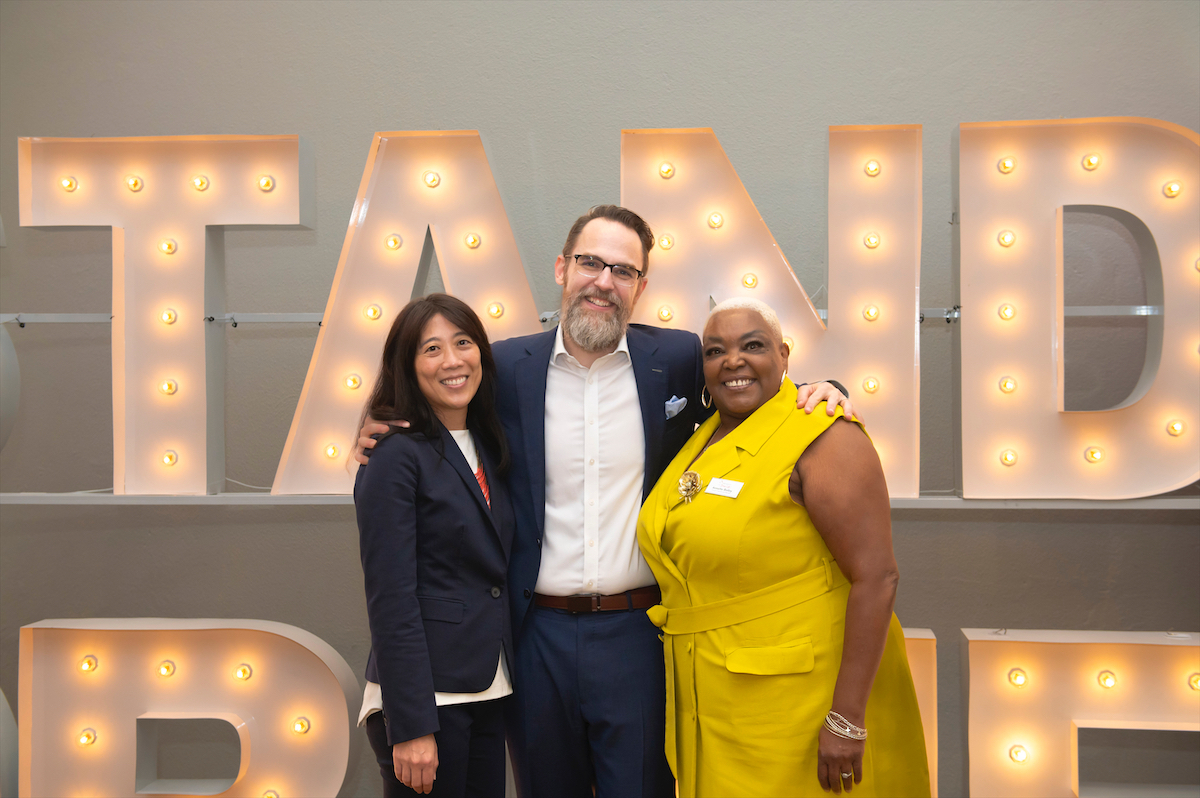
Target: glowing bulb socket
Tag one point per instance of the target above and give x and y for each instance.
(1172, 189)
(87, 737)
(270, 794)
(870, 313)
(666, 242)
(1018, 753)
(665, 313)
(166, 668)
(1106, 679)
(871, 240)
(871, 384)
(134, 183)
(168, 246)
(1007, 385)
(301, 725)
(1017, 678)
(331, 451)
(243, 672)
(749, 280)
(715, 220)
(1194, 681)
(373, 312)
(393, 241)
(1006, 165)
(1008, 457)
(1093, 454)
(200, 182)
(431, 179)
(1006, 238)
(353, 382)
(168, 387)
(1175, 427)
(265, 183)
(1091, 162)
(170, 457)
(69, 183)
(872, 168)
(169, 316)
(472, 240)
(1006, 312)
(495, 310)
(666, 171)
(89, 663)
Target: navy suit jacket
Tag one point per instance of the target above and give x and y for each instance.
(435, 561)
(666, 364)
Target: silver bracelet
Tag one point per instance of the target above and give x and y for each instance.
(844, 728)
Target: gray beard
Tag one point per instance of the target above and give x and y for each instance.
(594, 333)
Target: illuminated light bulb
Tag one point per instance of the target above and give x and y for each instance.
(134, 183)
(1008, 384)
(87, 737)
(431, 179)
(749, 280)
(472, 240)
(373, 312)
(1008, 457)
(1017, 677)
(1018, 753)
(1197, 264)
(270, 794)
(169, 316)
(69, 183)
(1175, 427)
(1007, 238)
(495, 310)
(791, 345)
(200, 182)
(870, 313)
(301, 725)
(331, 451)
(871, 240)
(167, 246)
(872, 168)
(665, 313)
(243, 672)
(89, 663)
(1194, 681)
(666, 171)
(166, 668)
(393, 241)
(1172, 189)
(353, 382)
(715, 220)
(1007, 312)
(265, 183)
(666, 242)
(169, 387)
(1091, 161)
(1107, 679)
(871, 384)
(1006, 165)
(170, 457)
(1093, 454)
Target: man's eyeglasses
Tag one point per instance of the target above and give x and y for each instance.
(622, 275)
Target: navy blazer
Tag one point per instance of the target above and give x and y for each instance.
(666, 364)
(435, 561)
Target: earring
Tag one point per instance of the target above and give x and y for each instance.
(705, 399)
(784, 377)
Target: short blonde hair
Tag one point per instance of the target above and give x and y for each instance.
(756, 305)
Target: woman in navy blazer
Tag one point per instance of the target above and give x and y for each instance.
(435, 531)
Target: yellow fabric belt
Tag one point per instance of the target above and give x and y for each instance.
(739, 609)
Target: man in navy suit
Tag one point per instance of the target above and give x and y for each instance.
(593, 412)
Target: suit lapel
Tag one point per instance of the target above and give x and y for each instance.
(650, 374)
(531, 399)
(454, 457)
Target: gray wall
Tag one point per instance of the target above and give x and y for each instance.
(549, 86)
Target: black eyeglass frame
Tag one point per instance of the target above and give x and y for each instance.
(610, 267)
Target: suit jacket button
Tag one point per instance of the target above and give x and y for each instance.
(495, 592)
(528, 593)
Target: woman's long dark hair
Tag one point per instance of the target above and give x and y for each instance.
(397, 394)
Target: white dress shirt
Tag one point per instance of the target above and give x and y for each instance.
(595, 464)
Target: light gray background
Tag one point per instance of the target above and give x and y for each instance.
(549, 86)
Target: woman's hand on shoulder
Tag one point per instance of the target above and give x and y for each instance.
(837, 756)
(416, 762)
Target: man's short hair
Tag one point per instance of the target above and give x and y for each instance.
(620, 215)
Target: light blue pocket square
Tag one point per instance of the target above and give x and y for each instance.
(674, 405)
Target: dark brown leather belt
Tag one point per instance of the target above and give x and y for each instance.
(638, 599)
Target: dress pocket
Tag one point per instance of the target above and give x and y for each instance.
(794, 657)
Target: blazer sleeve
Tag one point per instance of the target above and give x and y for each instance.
(385, 501)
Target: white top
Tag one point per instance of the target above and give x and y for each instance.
(501, 685)
(595, 464)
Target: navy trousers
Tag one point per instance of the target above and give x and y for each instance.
(589, 707)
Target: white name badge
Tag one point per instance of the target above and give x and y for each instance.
(724, 487)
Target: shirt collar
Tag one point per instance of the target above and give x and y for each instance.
(560, 352)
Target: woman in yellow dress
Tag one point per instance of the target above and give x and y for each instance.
(770, 536)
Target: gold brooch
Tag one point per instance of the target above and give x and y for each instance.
(689, 485)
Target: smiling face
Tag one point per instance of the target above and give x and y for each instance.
(448, 370)
(595, 310)
(744, 362)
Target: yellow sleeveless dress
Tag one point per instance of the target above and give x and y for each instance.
(753, 617)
